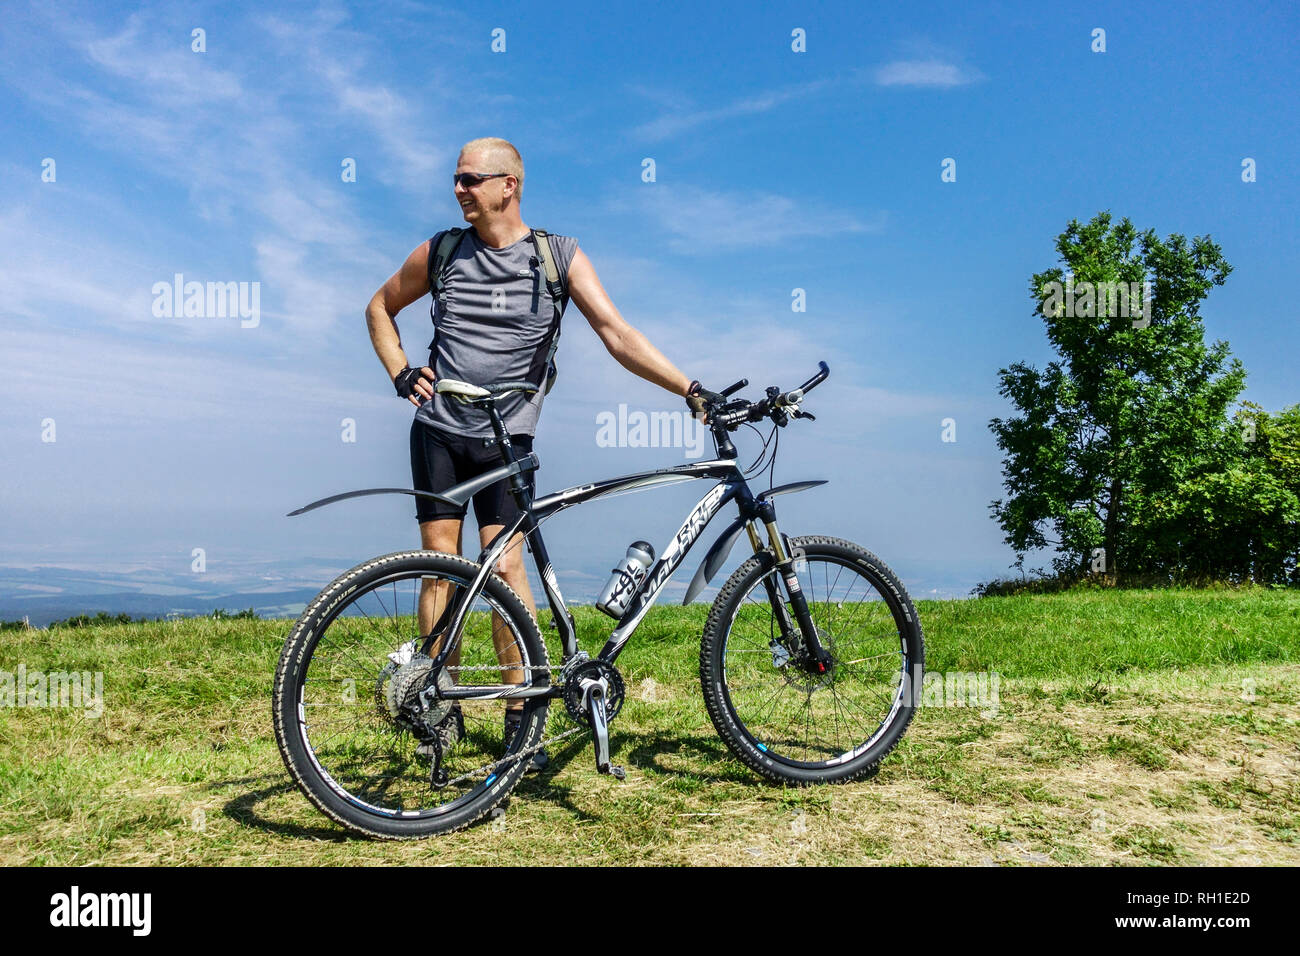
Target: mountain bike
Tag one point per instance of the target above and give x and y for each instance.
(811, 658)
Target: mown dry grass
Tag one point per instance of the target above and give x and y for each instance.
(1184, 765)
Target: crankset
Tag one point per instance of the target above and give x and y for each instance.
(593, 696)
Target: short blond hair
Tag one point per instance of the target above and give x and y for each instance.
(502, 154)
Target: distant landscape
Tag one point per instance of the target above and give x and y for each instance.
(43, 594)
(46, 593)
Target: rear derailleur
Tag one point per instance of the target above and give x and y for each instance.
(408, 699)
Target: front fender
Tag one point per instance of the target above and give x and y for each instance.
(717, 556)
(714, 560)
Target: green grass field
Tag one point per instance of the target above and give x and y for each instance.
(1130, 728)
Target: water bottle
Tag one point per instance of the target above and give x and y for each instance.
(625, 578)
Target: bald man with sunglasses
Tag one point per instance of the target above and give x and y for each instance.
(477, 342)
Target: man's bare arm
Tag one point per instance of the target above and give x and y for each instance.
(629, 347)
(404, 286)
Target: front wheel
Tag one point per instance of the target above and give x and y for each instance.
(776, 711)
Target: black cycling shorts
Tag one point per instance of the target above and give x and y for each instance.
(440, 459)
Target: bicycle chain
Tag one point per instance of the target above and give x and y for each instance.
(505, 761)
(523, 754)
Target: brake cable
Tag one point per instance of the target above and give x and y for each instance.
(771, 468)
(759, 463)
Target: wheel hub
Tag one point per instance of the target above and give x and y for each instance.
(806, 674)
(398, 689)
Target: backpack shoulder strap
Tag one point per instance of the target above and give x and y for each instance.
(558, 287)
(441, 249)
(556, 284)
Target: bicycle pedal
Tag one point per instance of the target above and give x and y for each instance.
(618, 773)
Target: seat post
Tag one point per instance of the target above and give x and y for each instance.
(518, 487)
(502, 437)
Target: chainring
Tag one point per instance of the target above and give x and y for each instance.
(592, 670)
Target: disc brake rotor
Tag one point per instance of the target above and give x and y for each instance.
(797, 675)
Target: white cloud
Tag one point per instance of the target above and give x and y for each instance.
(133, 387)
(700, 220)
(765, 351)
(672, 124)
(169, 115)
(399, 125)
(167, 70)
(925, 73)
(43, 274)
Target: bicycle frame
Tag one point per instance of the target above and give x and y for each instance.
(731, 486)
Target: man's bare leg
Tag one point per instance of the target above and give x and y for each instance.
(440, 534)
(511, 568)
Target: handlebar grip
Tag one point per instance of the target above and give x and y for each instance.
(795, 395)
(732, 389)
(823, 371)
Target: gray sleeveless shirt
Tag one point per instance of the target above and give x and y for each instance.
(492, 325)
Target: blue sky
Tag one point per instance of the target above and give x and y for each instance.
(775, 170)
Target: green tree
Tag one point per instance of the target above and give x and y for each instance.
(1237, 516)
(1133, 404)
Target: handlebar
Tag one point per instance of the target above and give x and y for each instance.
(794, 396)
(777, 405)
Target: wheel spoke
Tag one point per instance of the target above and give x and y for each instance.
(798, 714)
(348, 689)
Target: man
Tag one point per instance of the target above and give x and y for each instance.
(494, 326)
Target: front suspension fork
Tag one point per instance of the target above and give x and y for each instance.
(799, 634)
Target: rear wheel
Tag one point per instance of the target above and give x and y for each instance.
(359, 716)
(776, 712)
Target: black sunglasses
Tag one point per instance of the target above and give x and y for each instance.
(469, 180)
